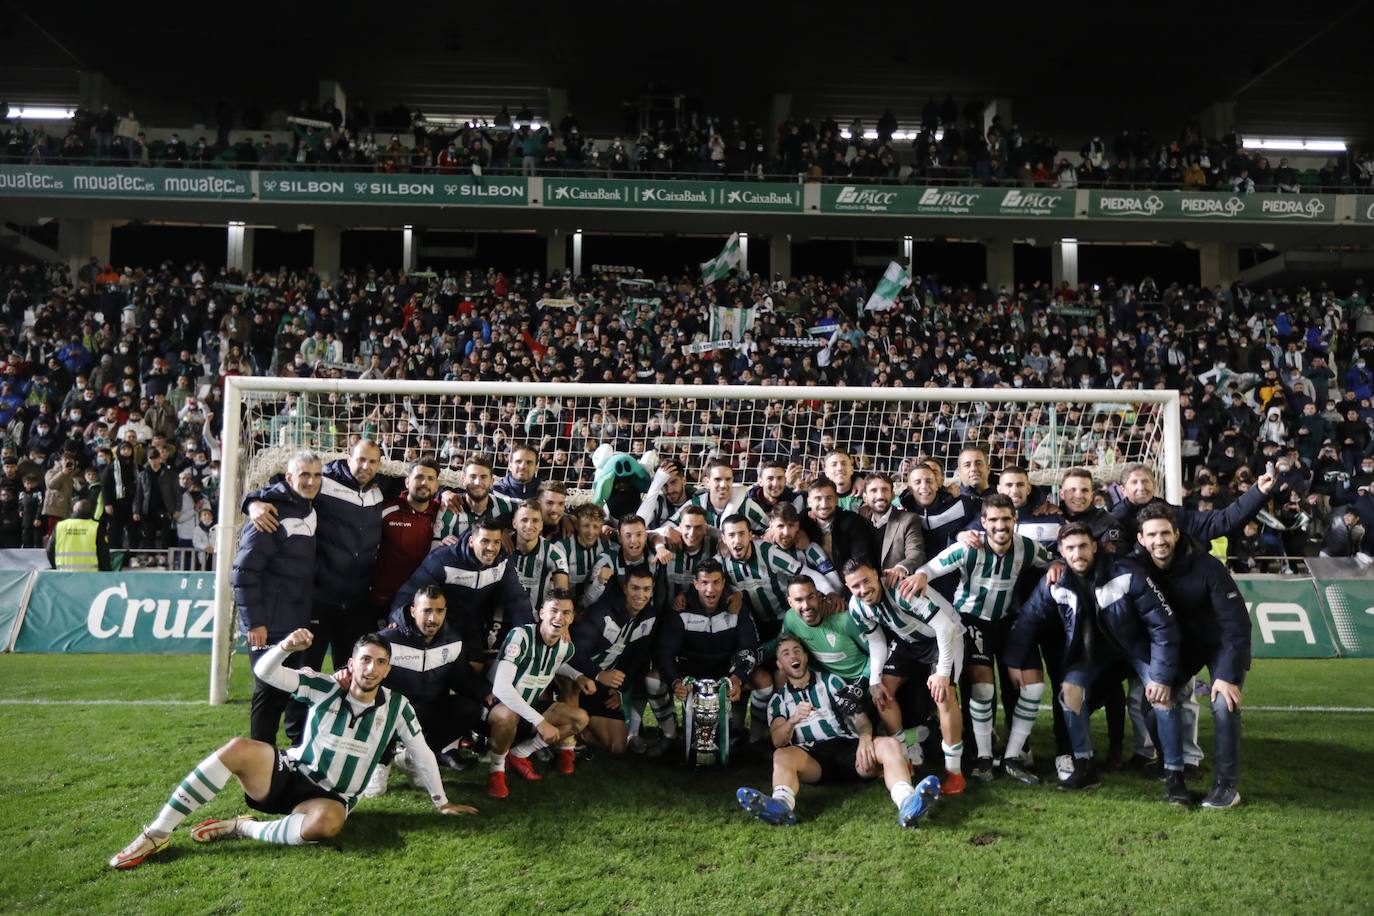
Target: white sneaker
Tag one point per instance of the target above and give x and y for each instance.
(914, 755)
(1063, 766)
(376, 783)
(402, 763)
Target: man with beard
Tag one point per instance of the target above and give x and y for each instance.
(520, 482)
(476, 503)
(407, 532)
(820, 733)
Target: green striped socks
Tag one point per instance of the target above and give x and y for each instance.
(1023, 719)
(200, 785)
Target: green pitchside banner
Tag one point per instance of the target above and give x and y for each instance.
(1287, 616)
(1210, 207)
(1364, 209)
(706, 196)
(326, 187)
(1351, 605)
(903, 201)
(12, 585)
(67, 181)
(119, 612)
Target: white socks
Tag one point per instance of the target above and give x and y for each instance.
(980, 711)
(901, 792)
(785, 795)
(1023, 719)
(284, 832)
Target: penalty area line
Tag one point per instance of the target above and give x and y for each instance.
(46, 702)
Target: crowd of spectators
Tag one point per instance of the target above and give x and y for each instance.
(948, 146)
(111, 383)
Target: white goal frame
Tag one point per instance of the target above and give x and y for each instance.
(232, 438)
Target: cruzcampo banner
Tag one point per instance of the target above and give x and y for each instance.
(904, 201)
(91, 181)
(1351, 604)
(1212, 207)
(119, 612)
(328, 187)
(1364, 209)
(1288, 618)
(704, 196)
(12, 585)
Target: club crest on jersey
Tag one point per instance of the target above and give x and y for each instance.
(830, 638)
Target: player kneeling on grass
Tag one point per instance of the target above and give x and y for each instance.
(316, 783)
(910, 638)
(530, 657)
(1114, 621)
(821, 734)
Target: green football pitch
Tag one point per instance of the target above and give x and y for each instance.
(93, 745)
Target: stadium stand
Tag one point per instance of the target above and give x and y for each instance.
(1272, 376)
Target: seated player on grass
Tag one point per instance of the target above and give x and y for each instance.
(911, 639)
(821, 734)
(614, 638)
(521, 716)
(316, 783)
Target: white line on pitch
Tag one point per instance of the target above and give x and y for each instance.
(1350, 709)
(42, 702)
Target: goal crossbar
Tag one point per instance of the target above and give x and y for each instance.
(241, 390)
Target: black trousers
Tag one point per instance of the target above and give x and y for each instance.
(268, 705)
(337, 627)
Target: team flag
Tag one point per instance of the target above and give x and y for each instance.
(895, 279)
(719, 267)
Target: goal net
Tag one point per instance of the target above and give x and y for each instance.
(884, 430)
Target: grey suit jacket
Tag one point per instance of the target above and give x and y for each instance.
(903, 544)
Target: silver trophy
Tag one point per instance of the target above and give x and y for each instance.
(707, 713)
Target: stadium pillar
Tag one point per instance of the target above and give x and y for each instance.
(1217, 119)
(780, 255)
(997, 108)
(909, 255)
(328, 247)
(781, 110)
(558, 107)
(744, 252)
(408, 249)
(333, 91)
(239, 255)
(79, 240)
(1001, 268)
(1064, 263)
(555, 253)
(577, 253)
(1220, 264)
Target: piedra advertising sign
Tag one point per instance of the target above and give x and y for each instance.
(1183, 205)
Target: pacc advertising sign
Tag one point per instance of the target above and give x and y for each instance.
(119, 612)
(908, 201)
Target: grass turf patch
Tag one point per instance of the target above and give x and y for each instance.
(638, 836)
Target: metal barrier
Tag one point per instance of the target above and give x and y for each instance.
(170, 558)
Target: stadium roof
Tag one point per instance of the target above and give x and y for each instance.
(1293, 69)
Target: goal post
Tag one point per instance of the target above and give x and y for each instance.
(266, 419)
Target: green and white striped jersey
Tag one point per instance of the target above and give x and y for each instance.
(536, 569)
(825, 721)
(763, 579)
(909, 621)
(683, 566)
(660, 512)
(579, 560)
(987, 582)
(613, 558)
(448, 522)
(535, 663)
(742, 504)
(341, 745)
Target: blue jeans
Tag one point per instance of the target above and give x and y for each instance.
(1164, 721)
(1226, 724)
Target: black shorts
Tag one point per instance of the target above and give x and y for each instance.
(595, 704)
(523, 727)
(909, 660)
(837, 758)
(984, 642)
(288, 789)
